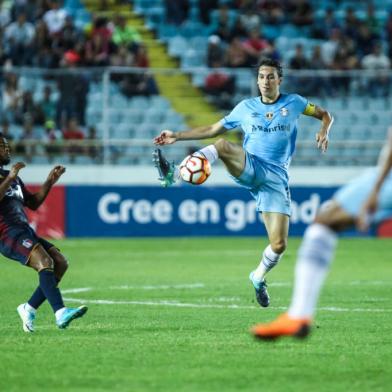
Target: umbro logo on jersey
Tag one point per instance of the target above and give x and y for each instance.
(27, 243)
(255, 114)
(269, 115)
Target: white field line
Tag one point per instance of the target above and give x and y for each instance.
(214, 306)
(78, 290)
(160, 287)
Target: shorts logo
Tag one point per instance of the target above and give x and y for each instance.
(284, 112)
(269, 115)
(27, 243)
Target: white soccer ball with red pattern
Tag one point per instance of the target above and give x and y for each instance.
(195, 169)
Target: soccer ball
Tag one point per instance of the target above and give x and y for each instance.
(195, 169)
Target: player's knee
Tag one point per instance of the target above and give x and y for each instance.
(43, 263)
(60, 266)
(279, 246)
(223, 147)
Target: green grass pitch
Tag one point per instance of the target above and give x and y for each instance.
(173, 315)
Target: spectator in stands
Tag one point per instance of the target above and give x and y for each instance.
(345, 59)
(250, 18)
(320, 84)
(141, 57)
(69, 35)
(124, 34)
(329, 47)
(27, 7)
(325, 25)
(236, 55)
(51, 139)
(94, 151)
(18, 41)
(48, 105)
(101, 27)
(272, 11)
(238, 29)
(372, 22)
(255, 46)
(73, 88)
(27, 143)
(176, 11)
(205, 8)
(301, 12)
(27, 107)
(44, 56)
(377, 61)
(97, 51)
(364, 39)
(138, 84)
(388, 34)
(299, 62)
(215, 52)
(221, 86)
(55, 17)
(351, 23)
(5, 130)
(10, 97)
(73, 132)
(121, 57)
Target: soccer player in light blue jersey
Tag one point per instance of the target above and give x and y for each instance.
(368, 198)
(269, 124)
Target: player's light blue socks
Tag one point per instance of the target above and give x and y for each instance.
(268, 261)
(210, 152)
(48, 285)
(314, 259)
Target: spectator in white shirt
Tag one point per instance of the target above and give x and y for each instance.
(55, 17)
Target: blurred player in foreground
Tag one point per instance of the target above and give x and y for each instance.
(366, 199)
(269, 123)
(19, 242)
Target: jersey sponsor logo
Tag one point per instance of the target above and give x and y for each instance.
(284, 112)
(269, 115)
(276, 128)
(15, 190)
(27, 243)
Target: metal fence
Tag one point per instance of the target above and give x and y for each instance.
(119, 110)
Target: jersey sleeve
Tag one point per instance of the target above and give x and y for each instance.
(301, 103)
(233, 119)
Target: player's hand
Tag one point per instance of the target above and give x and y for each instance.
(55, 174)
(322, 141)
(15, 170)
(367, 210)
(165, 137)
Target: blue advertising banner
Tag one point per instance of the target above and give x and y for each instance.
(115, 211)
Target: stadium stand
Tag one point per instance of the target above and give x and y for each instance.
(335, 62)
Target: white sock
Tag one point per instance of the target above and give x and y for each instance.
(59, 313)
(210, 152)
(269, 261)
(29, 308)
(314, 259)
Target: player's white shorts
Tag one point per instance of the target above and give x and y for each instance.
(270, 190)
(352, 196)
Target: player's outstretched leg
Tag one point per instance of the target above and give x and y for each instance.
(27, 314)
(67, 315)
(284, 325)
(166, 170)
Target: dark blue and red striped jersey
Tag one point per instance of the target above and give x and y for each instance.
(12, 205)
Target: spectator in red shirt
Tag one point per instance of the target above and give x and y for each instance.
(73, 132)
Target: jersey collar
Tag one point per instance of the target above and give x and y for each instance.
(270, 103)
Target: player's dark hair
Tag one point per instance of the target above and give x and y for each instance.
(271, 63)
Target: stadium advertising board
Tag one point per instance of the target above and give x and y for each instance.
(117, 211)
(49, 219)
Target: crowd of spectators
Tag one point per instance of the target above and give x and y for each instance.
(41, 34)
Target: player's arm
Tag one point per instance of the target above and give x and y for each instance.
(326, 122)
(12, 175)
(371, 204)
(34, 200)
(203, 132)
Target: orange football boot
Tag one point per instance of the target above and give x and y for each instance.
(284, 325)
